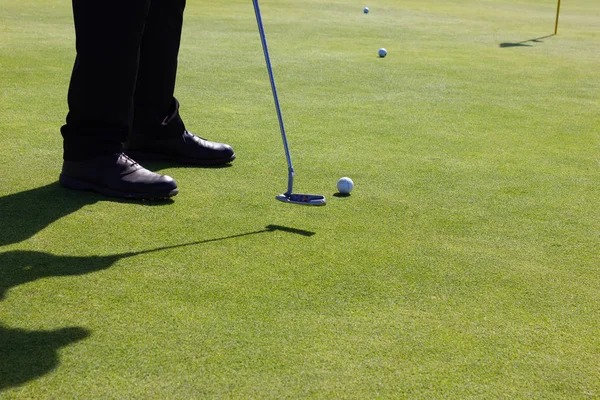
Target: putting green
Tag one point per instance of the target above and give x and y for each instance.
(463, 265)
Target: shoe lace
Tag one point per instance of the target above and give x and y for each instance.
(129, 160)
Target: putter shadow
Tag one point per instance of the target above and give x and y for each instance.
(28, 355)
(290, 230)
(524, 43)
(268, 228)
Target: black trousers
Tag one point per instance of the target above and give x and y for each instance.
(124, 72)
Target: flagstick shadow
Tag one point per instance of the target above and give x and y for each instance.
(524, 43)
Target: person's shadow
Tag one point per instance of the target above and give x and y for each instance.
(27, 355)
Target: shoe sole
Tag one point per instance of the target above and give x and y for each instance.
(146, 156)
(76, 184)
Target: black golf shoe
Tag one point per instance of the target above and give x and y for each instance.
(117, 175)
(186, 148)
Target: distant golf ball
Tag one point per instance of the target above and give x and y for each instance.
(345, 185)
(382, 52)
(366, 10)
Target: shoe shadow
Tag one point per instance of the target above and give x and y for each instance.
(525, 43)
(28, 355)
(24, 214)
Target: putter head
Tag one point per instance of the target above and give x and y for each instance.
(303, 199)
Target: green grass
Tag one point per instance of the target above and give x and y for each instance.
(465, 263)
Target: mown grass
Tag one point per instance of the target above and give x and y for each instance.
(464, 264)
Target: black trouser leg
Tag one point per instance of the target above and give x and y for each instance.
(154, 101)
(108, 38)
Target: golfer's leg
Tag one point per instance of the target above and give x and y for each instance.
(157, 73)
(158, 131)
(108, 36)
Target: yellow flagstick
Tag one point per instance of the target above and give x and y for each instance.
(556, 23)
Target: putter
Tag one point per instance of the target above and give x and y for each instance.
(289, 196)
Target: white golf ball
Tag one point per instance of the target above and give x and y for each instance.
(345, 185)
(366, 10)
(382, 52)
